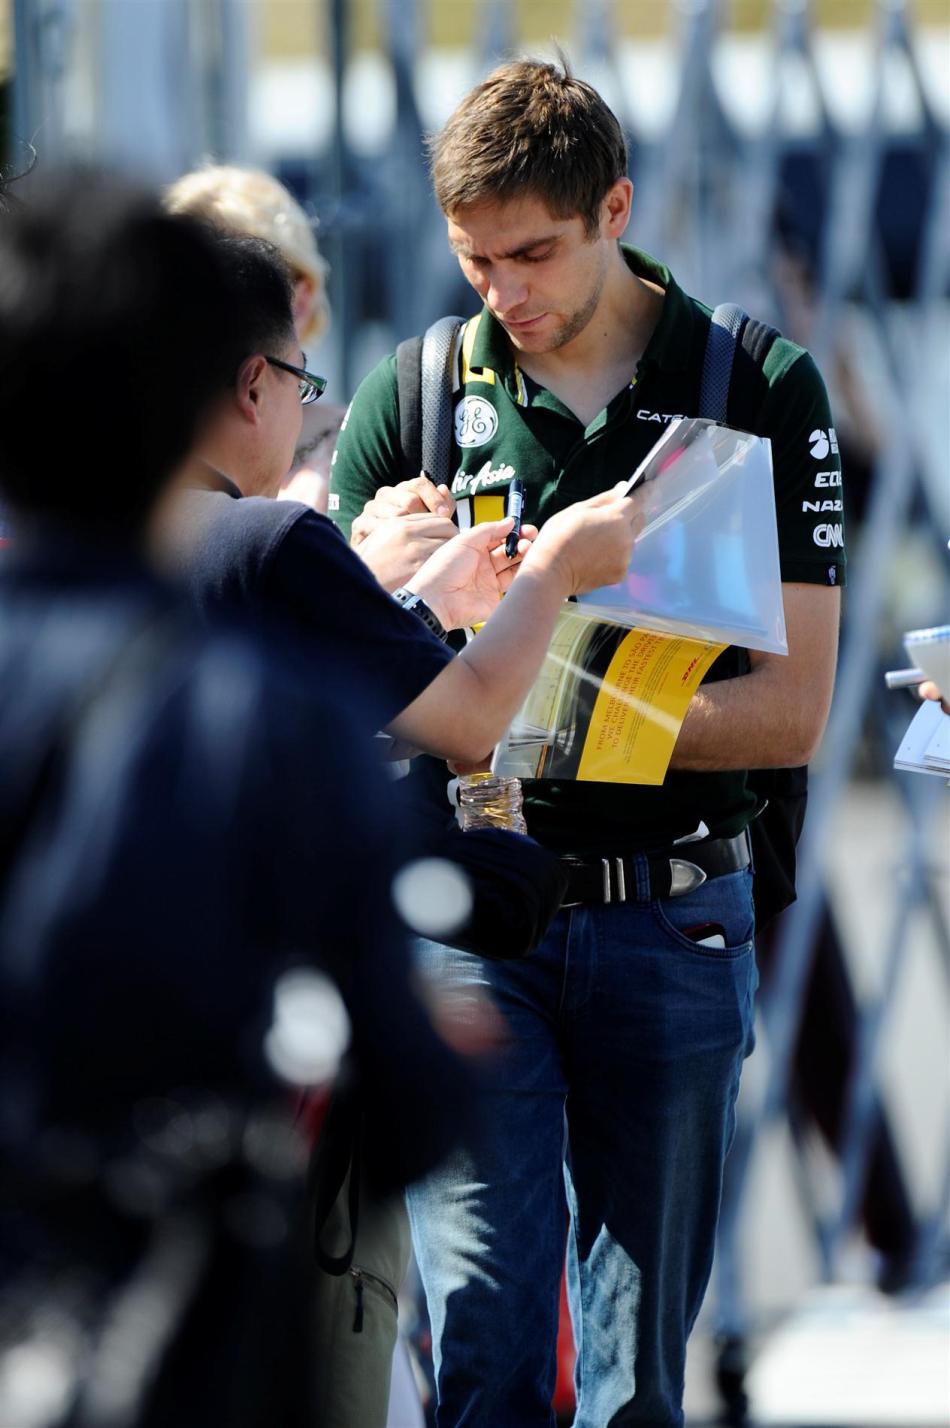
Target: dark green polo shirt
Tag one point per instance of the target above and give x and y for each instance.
(506, 425)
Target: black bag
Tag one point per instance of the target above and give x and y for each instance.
(782, 794)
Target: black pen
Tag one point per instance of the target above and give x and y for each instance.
(515, 510)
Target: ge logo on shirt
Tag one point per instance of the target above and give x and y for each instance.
(476, 421)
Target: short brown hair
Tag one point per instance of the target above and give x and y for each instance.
(530, 128)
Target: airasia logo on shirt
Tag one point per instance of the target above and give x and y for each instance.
(476, 421)
(465, 482)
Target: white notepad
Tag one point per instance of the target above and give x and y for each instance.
(927, 737)
(937, 756)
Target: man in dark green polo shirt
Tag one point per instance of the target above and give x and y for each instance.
(635, 1013)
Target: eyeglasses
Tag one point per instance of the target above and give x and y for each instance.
(310, 385)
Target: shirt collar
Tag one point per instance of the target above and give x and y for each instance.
(671, 344)
(215, 480)
(491, 348)
(228, 487)
(670, 347)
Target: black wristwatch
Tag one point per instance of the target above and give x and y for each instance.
(409, 600)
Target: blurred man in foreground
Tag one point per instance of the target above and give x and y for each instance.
(148, 1206)
(289, 569)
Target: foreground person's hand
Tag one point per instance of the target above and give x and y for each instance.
(590, 543)
(396, 548)
(464, 580)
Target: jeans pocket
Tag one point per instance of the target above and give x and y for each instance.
(365, 1280)
(724, 903)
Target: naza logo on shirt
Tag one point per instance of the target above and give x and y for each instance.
(476, 421)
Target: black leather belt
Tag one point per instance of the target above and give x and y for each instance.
(672, 872)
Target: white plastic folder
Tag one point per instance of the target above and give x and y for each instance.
(706, 564)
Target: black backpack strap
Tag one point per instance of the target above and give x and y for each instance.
(409, 387)
(739, 344)
(424, 384)
(757, 339)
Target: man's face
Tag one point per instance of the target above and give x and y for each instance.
(540, 276)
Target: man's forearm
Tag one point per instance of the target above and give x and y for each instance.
(747, 723)
(774, 716)
(466, 709)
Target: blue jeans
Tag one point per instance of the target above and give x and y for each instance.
(611, 1102)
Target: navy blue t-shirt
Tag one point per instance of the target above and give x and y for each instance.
(292, 570)
(166, 849)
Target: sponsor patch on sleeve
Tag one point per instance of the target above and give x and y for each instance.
(822, 444)
(828, 534)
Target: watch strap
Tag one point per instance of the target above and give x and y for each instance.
(409, 600)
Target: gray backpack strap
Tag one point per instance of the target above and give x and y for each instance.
(438, 346)
(724, 330)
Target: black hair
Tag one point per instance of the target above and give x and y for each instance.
(118, 329)
(262, 294)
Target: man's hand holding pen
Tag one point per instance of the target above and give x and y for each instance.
(465, 579)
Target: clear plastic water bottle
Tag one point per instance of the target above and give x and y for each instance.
(487, 800)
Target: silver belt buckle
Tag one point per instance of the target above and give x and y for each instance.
(619, 877)
(684, 877)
